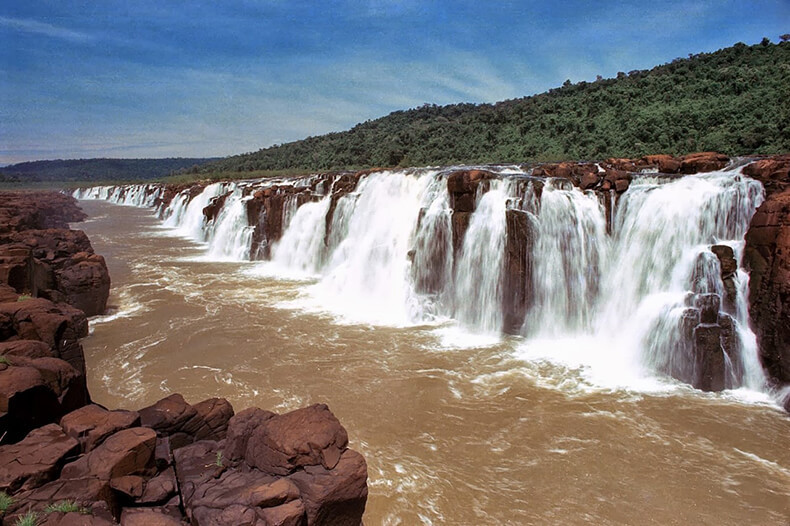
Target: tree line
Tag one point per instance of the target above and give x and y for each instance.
(733, 101)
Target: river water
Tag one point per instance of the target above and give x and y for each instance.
(457, 427)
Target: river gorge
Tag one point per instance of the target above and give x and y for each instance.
(504, 347)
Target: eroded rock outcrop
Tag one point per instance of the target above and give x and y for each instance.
(120, 466)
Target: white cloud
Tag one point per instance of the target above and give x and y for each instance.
(41, 28)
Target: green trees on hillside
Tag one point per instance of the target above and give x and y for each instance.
(733, 101)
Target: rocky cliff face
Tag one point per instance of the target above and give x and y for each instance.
(767, 255)
(170, 463)
(41, 257)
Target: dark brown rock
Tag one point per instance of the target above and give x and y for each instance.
(211, 419)
(305, 437)
(767, 257)
(92, 424)
(35, 460)
(73, 519)
(27, 401)
(58, 326)
(460, 223)
(774, 172)
(129, 485)
(150, 517)
(665, 163)
(160, 488)
(168, 417)
(518, 270)
(709, 358)
(127, 452)
(213, 497)
(85, 282)
(335, 496)
(85, 491)
(37, 210)
(27, 348)
(240, 428)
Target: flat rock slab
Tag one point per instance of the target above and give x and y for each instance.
(35, 460)
(92, 424)
(127, 452)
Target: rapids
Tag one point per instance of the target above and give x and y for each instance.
(575, 419)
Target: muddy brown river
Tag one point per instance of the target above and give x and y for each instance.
(456, 429)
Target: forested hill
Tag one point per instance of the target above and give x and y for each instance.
(733, 101)
(86, 170)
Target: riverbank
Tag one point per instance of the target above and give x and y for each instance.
(168, 463)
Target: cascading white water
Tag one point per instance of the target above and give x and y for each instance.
(139, 195)
(368, 275)
(302, 246)
(478, 274)
(661, 253)
(569, 251)
(229, 235)
(186, 215)
(387, 257)
(432, 255)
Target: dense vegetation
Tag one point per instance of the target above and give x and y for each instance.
(86, 170)
(734, 101)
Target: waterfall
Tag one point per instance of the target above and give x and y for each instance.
(571, 247)
(229, 235)
(301, 247)
(478, 277)
(639, 287)
(185, 215)
(662, 275)
(368, 276)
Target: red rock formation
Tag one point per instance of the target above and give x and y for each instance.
(119, 465)
(767, 256)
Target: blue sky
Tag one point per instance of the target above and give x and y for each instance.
(140, 78)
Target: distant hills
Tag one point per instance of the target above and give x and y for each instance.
(734, 101)
(87, 170)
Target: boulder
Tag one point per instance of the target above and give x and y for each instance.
(665, 163)
(703, 162)
(306, 437)
(85, 281)
(334, 496)
(127, 452)
(35, 460)
(240, 428)
(160, 488)
(168, 417)
(183, 423)
(92, 424)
